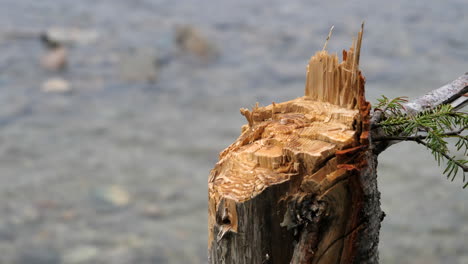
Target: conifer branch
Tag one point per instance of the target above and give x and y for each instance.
(429, 121)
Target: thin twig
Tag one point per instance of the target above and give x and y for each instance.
(328, 38)
(403, 138)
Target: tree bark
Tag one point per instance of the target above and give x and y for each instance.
(300, 183)
(454, 93)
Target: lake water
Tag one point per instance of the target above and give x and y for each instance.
(115, 171)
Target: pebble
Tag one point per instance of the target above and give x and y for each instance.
(56, 85)
(82, 254)
(111, 197)
(119, 255)
(189, 39)
(47, 204)
(68, 215)
(55, 59)
(72, 35)
(153, 211)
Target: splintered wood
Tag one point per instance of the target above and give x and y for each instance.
(297, 135)
(296, 147)
(333, 82)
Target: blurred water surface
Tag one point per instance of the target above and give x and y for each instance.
(115, 170)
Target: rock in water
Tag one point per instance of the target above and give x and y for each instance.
(56, 85)
(72, 35)
(55, 59)
(153, 211)
(111, 197)
(190, 40)
(82, 254)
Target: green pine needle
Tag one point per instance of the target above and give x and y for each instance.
(430, 128)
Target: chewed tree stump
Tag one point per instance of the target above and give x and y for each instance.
(297, 186)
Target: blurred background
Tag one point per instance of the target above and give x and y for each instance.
(113, 112)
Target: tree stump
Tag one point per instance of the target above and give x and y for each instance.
(299, 184)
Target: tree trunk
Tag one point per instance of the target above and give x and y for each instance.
(299, 185)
